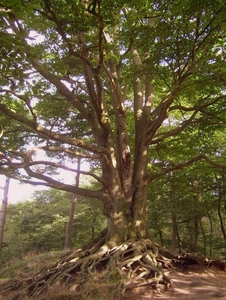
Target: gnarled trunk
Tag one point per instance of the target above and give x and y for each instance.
(126, 219)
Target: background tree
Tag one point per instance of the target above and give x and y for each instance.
(39, 225)
(3, 211)
(72, 211)
(111, 85)
(175, 215)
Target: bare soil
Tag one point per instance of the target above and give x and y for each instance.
(196, 284)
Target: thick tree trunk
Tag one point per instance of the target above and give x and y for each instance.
(125, 203)
(124, 222)
(3, 211)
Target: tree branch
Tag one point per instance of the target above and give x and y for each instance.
(26, 164)
(70, 152)
(52, 183)
(52, 135)
(182, 165)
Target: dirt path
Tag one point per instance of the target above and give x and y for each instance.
(192, 285)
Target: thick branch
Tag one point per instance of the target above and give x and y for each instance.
(70, 152)
(62, 89)
(49, 182)
(52, 135)
(52, 164)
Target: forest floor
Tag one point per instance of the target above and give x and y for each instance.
(193, 284)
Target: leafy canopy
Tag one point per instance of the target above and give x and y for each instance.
(103, 84)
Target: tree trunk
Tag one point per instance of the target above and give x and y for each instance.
(160, 236)
(175, 234)
(194, 246)
(210, 234)
(125, 219)
(220, 216)
(3, 211)
(204, 237)
(195, 190)
(72, 210)
(126, 208)
(221, 196)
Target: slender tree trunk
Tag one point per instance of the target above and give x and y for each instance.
(72, 210)
(176, 241)
(204, 237)
(211, 235)
(93, 228)
(3, 211)
(175, 233)
(219, 204)
(220, 215)
(195, 190)
(191, 235)
(160, 236)
(194, 247)
(179, 242)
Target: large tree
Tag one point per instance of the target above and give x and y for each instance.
(109, 82)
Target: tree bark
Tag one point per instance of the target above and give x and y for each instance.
(210, 234)
(222, 189)
(3, 211)
(196, 218)
(174, 232)
(126, 218)
(204, 237)
(174, 219)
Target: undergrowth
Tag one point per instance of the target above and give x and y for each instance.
(29, 263)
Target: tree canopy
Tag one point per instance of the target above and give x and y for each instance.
(110, 86)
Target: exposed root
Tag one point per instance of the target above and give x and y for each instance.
(131, 264)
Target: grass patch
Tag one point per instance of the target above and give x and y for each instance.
(99, 286)
(30, 263)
